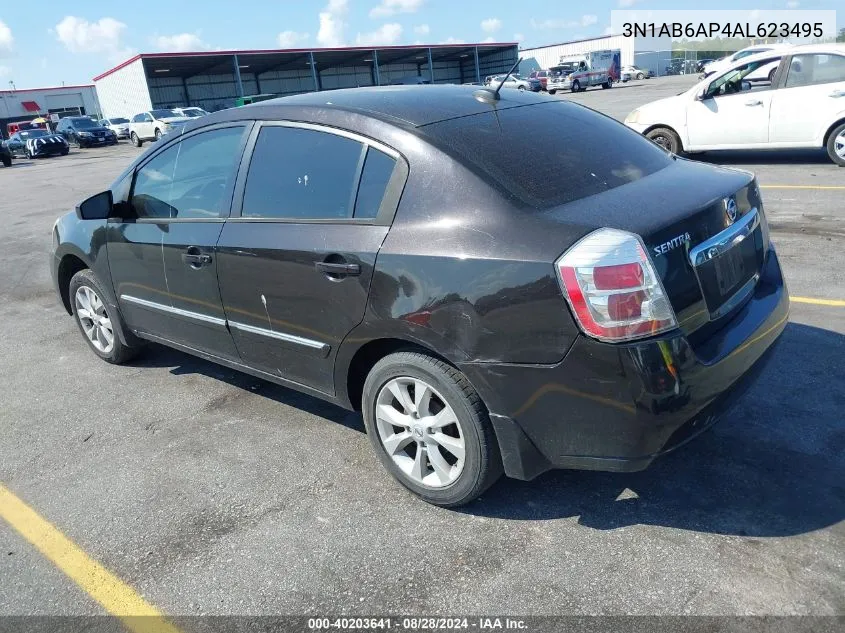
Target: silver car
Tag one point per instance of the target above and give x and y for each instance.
(118, 125)
(514, 81)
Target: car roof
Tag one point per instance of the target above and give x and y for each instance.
(803, 49)
(413, 105)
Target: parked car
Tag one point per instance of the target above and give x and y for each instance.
(83, 132)
(634, 72)
(516, 82)
(5, 154)
(559, 81)
(542, 76)
(118, 125)
(515, 323)
(37, 144)
(764, 73)
(804, 108)
(191, 113)
(153, 124)
(702, 63)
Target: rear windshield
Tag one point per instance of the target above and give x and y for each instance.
(549, 154)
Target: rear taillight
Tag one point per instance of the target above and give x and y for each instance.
(613, 289)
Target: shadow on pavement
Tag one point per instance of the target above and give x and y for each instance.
(768, 157)
(773, 467)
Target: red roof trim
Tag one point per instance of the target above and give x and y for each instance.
(30, 106)
(295, 50)
(44, 89)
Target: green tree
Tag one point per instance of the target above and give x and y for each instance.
(841, 36)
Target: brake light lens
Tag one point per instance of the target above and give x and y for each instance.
(613, 288)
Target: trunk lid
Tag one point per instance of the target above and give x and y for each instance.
(703, 228)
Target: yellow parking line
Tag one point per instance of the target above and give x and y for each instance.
(115, 596)
(831, 187)
(819, 302)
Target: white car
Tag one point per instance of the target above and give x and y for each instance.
(803, 108)
(118, 125)
(635, 72)
(764, 73)
(191, 113)
(153, 124)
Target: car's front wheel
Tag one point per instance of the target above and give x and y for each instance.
(137, 142)
(96, 321)
(666, 138)
(576, 86)
(28, 154)
(640, 75)
(836, 145)
(552, 91)
(430, 428)
(7, 161)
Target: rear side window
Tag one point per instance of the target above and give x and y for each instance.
(808, 70)
(580, 152)
(304, 174)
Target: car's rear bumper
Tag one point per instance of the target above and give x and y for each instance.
(617, 407)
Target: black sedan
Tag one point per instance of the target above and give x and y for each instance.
(83, 132)
(491, 301)
(37, 144)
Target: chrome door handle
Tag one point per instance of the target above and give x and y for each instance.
(195, 259)
(754, 103)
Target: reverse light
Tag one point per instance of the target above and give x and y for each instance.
(613, 289)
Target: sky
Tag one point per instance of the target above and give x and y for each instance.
(73, 42)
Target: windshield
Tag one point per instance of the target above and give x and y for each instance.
(163, 114)
(83, 123)
(194, 112)
(34, 133)
(117, 121)
(581, 154)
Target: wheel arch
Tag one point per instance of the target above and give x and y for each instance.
(69, 265)
(830, 129)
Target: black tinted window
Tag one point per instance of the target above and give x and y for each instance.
(580, 152)
(302, 174)
(377, 171)
(189, 179)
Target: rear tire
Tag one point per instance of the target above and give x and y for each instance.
(836, 145)
(551, 92)
(608, 83)
(29, 155)
(96, 319)
(407, 438)
(666, 138)
(135, 140)
(158, 134)
(640, 75)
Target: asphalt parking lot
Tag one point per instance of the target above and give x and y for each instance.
(211, 492)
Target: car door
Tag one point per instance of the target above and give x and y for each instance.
(726, 117)
(297, 256)
(145, 126)
(15, 144)
(163, 257)
(811, 99)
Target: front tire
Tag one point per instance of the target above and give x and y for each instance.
(96, 320)
(576, 86)
(7, 161)
(137, 142)
(836, 145)
(430, 429)
(666, 138)
(551, 92)
(640, 75)
(29, 154)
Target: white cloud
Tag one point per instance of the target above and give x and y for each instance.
(792, 4)
(291, 39)
(556, 23)
(452, 40)
(491, 25)
(80, 36)
(333, 24)
(422, 29)
(626, 3)
(180, 43)
(5, 71)
(488, 40)
(518, 37)
(385, 35)
(392, 7)
(6, 39)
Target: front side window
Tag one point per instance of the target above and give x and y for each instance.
(137, 118)
(303, 174)
(189, 179)
(732, 81)
(810, 70)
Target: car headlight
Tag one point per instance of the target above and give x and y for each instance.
(634, 117)
(85, 134)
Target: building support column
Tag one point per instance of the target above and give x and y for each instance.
(318, 85)
(430, 67)
(477, 66)
(376, 77)
(185, 88)
(238, 81)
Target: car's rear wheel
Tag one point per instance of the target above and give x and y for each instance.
(430, 429)
(97, 322)
(666, 138)
(836, 145)
(552, 91)
(28, 154)
(158, 134)
(640, 75)
(7, 161)
(137, 142)
(520, 87)
(608, 83)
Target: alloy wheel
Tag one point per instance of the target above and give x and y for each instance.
(839, 144)
(420, 432)
(95, 322)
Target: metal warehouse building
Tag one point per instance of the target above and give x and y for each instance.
(646, 52)
(25, 105)
(214, 80)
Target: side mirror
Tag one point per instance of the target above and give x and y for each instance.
(745, 86)
(98, 207)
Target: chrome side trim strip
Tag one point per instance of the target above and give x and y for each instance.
(205, 318)
(721, 242)
(281, 336)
